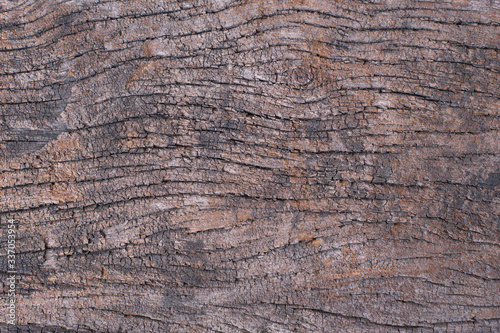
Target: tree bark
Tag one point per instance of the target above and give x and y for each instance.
(251, 166)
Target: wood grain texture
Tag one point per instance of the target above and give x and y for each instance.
(252, 166)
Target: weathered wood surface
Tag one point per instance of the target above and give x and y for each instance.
(252, 166)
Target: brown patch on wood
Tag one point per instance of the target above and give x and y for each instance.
(315, 242)
(148, 48)
(140, 71)
(397, 229)
(63, 192)
(305, 237)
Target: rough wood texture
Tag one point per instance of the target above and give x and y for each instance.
(252, 166)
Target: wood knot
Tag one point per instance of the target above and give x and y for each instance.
(302, 76)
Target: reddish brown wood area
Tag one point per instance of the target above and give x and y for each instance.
(251, 166)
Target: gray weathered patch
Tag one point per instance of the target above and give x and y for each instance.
(20, 141)
(493, 179)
